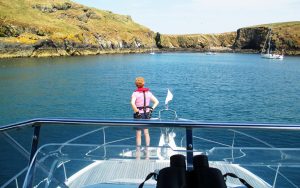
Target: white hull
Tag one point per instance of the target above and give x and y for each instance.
(272, 56)
(211, 53)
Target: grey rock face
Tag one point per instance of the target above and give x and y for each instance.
(251, 38)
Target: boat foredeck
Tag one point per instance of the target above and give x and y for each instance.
(116, 171)
(132, 171)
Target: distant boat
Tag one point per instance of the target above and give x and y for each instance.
(152, 52)
(268, 54)
(211, 53)
(272, 56)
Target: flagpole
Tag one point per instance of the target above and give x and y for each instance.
(168, 99)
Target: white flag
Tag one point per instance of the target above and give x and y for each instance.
(169, 97)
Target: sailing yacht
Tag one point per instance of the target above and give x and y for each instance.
(269, 55)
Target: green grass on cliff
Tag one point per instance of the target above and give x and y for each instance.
(285, 33)
(21, 13)
(29, 21)
(60, 19)
(281, 25)
(289, 32)
(206, 41)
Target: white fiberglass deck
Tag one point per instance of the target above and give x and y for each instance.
(116, 171)
(135, 171)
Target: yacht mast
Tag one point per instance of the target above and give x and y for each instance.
(269, 43)
(268, 38)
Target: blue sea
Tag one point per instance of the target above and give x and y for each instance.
(222, 87)
(212, 88)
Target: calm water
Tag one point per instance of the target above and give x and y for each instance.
(224, 87)
(218, 88)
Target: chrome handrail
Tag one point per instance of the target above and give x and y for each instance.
(149, 123)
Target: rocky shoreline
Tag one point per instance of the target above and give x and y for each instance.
(50, 50)
(20, 51)
(245, 40)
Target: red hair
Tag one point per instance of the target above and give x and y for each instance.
(139, 82)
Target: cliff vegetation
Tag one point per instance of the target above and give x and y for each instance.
(37, 28)
(284, 38)
(199, 42)
(61, 27)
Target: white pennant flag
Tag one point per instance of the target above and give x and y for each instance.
(169, 97)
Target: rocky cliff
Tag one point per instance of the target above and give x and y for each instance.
(284, 37)
(37, 28)
(197, 42)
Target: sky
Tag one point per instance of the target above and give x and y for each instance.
(201, 16)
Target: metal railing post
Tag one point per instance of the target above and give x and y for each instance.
(35, 141)
(34, 147)
(189, 147)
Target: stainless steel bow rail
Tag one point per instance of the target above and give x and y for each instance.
(183, 123)
(188, 125)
